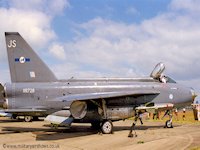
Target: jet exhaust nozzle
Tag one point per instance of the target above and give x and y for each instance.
(2, 96)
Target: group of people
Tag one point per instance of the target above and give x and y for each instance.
(156, 114)
(183, 113)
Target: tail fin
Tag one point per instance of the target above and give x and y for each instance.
(24, 63)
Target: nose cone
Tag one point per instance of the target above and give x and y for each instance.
(184, 96)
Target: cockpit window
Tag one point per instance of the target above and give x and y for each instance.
(170, 80)
(158, 75)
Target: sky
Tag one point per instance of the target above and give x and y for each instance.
(110, 38)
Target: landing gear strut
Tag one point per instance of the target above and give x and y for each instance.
(168, 123)
(106, 126)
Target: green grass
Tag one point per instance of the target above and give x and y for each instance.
(140, 142)
(195, 148)
(189, 118)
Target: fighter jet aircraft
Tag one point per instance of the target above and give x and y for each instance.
(35, 91)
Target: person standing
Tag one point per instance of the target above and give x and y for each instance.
(184, 113)
(176, 113)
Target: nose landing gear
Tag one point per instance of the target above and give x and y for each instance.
(168, 123)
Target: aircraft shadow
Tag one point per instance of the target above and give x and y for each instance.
(43, 134)
(9, 120)
(46, 134)
(140, 127)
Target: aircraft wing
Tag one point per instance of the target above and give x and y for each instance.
(67, 120)
(104, 95)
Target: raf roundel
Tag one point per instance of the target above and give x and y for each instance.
(22, 60)
(171, 96)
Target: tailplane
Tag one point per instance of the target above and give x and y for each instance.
(25, 65)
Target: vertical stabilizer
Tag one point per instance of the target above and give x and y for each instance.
(24, 63)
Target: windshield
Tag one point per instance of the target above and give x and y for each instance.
(170, 80)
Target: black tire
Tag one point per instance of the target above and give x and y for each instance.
(35, 118)
(28, 118)
(95, 125)
(168, 124)
(107, 127)
(14, 117)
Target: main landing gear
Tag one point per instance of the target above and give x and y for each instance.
(26, 118)
(105, 127)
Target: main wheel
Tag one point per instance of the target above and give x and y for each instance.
(107, 127)
(28, 118)
(168, 124)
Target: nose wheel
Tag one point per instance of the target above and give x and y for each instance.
(168, 123)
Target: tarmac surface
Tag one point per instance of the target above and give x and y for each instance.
(38, 135)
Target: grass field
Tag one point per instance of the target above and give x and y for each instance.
(189, 118)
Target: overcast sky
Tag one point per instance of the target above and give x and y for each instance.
(110, 38)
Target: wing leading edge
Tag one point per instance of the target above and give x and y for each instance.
(104, 95)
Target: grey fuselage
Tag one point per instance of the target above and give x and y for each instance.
(39, 95)
(35, 90)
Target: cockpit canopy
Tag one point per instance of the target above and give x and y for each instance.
(157, 73)
(158, 70)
